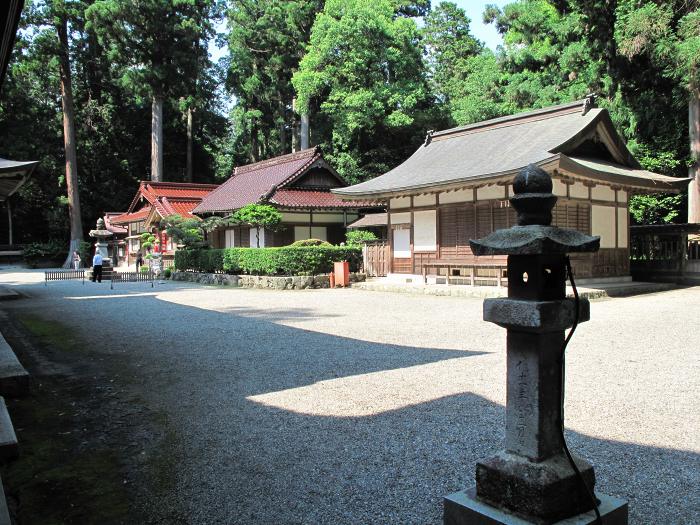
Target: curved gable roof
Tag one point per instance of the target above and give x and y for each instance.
(255, 182)
(500, 147)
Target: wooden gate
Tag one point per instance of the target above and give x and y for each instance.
(375, 258)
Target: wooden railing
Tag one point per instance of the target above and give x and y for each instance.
(667, 253)
(63, 275)
(132, 277)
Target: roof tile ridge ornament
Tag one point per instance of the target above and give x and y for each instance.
(588, 103)
(533, 200)
(428, 137)
(546, 112)
(275, 161)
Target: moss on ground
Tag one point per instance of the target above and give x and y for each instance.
(66, 472)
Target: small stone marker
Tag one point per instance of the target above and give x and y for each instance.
(532, 481)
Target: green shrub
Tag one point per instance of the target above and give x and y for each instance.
(355, 237)
(200, 260)
(144, 268)
(167, 273)
(288, 260)
(52, 251)
(311, 242)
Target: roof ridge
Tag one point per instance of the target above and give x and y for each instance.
(547, 112)
(161, 184)
(274, 161)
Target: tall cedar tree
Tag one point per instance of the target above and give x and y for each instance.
(153, 39)
(266, 40)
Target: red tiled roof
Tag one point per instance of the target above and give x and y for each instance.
(167, 198)
(251, 182)
(182, 207)
(109, 216)
(314, 199)
(126, 218)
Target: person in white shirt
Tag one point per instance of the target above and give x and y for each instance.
(97, 267)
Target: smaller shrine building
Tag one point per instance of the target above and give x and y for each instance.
(297, 184)
(154, 201)
(456, 187)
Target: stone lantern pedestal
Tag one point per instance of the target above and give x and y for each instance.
(101, 234)
(532, 479)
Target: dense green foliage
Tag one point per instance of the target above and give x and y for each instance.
(44, 252)
(373, 75)
(354, 237)
(288, 260)
(187, 232)
(311, 242)
(258, 216)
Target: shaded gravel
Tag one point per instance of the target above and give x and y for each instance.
(348, 406)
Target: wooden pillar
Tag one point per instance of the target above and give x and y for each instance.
(9, 222)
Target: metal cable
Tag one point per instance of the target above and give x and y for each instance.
(569, 271)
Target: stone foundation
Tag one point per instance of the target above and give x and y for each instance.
(273, 282)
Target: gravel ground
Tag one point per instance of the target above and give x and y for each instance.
(347, 406)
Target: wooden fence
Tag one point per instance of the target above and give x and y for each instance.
(375, 258)
(132, 277)
(63, 275)
(666, 253)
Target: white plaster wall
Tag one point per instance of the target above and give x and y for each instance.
(328, 217)
(319, 232)
(600, 192)
(402, 243)
(401, 218)
(558, 188)
(424, 200)
(253, 238)
(621, 196)
(578, 190)
(603, 224)
(425, 231)
(622, 227)
(295, 217)
(400, 202)
(490, 192)
(456, 196)
(230, 236)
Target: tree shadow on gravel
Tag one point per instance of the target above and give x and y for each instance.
(238, 460)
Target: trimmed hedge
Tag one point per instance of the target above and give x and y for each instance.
(287, 260)
(201, 260)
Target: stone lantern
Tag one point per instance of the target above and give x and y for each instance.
(101, 234)
(533, 480)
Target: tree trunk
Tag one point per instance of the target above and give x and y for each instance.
(157, 139)
(190, 144)
(76, 224)
(305, 132)
(694, 170)
(295, 131)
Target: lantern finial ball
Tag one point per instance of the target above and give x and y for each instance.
(532, 179)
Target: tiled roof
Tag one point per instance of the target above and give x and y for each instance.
(500, 148)
(167, 198)
(182, 207)
(255, 182)
(136, 216)
(109, 216)
(314, 199)
(370, 220)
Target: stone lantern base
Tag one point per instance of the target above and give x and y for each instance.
(463, 508)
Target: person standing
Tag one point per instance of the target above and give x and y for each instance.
(139, 260)
(76, 261)
(97, 267)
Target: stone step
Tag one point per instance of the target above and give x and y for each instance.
(8, 439)
(7, 294)
(4, 513)
(14, 379)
